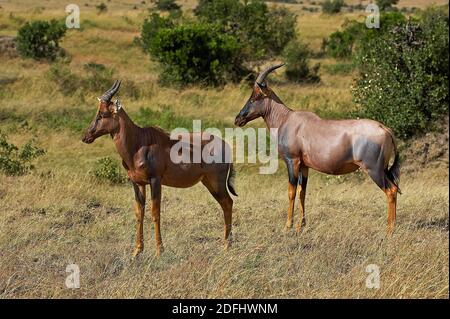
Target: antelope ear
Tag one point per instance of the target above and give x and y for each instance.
(116, 106)
(99, 99)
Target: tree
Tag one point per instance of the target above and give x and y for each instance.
(40, 39)
(196, 53)
(403, 79)
(261, 31)
(296, 55)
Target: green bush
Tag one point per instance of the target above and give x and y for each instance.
(167, 5)
(332, 6)
(213, 49)
(340, 44)
(261, 31)
(15, 161)
(296, 55)
(151, 27)
(108, 169)
(355, 35)
(40, 39)
(196, 53)
(403, 78)
(280, 28)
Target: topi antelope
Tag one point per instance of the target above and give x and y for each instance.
(328, 146)
(146, 155)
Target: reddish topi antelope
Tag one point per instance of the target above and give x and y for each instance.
(328, 146)
(146, 156)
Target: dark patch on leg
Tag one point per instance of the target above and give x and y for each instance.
(293, 180)
(138, 195)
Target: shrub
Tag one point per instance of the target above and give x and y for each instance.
(403, 78)
(40, 39)
(386, 4)
(355, 35)
(227, 35)
(151, 27)
(167, 5)
(15, 161)
(196, 53)
(261, 31)
(332, 6)
(340, 44)
(296, 55)
(281, 28)
(107, 169)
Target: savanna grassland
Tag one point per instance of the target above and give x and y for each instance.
(61, 214)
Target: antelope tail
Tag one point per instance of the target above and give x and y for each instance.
(393, 172)
(230, 179)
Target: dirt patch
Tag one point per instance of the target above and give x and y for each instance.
(429, 150)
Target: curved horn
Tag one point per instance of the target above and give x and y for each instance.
(106, 97)
(262, 76)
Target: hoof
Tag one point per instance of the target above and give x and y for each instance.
(159, 251)
(390, 231)
(137, 251)
(288, 226)
(299, 228)
(227, 245)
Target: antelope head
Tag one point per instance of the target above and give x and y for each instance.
(256, 104)
(106, 120)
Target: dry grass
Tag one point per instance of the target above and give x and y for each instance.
(60, 214)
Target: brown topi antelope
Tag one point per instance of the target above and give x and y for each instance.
(146, 156)
(328, 146)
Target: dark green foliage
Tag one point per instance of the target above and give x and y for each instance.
(404, 75)
(261, 31)
(196, 53)
(40, 39)
(15, 161)
(386, 4)
(167, 5)
(296, 55)
(332, 6)
(151, 27)
(280, 29)
(342, 44)
(108, 169)
(213, 49)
